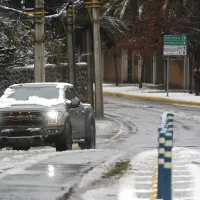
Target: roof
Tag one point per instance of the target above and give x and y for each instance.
(42, 84)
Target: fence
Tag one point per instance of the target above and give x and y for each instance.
(165, 147)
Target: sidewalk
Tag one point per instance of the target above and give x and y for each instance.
(142, 176)
(133, 92)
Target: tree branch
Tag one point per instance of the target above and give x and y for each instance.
(5, 8)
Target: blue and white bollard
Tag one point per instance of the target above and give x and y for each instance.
(170, 123)
(165, 156)
(167, 192)
(161, 160)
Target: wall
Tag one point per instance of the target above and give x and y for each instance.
(109, 67)
(148, 70)
(53, 73)
(160, 70)
(176, 73)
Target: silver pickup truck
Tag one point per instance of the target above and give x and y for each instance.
(41, 114)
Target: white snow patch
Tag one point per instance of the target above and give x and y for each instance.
(19, 163)
(126, 190)
(144, 156)
(100, 193)
(102, 124)
(195, 171)
(62, 85)
(57, 84)
(18, 156)
(133, 90)
(8, 102)
(30, 66)
(33, 129)
(97, 173)
(8, 92)
(165, 4)
(6, 160)
(7, 130)
(140, 10)
(143, 161)
(81, 63)
(50, 65)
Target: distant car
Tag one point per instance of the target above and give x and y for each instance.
(41, 114)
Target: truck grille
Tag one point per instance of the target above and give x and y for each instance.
(21, 119)
(20, 133)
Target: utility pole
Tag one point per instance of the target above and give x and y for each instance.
(99, 107)
(39, 70)
(90, 69)
(70, 43)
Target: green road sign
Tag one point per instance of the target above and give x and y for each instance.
(176, 40)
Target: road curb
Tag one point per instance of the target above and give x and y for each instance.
(161, 99)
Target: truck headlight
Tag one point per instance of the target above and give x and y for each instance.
(53, 117)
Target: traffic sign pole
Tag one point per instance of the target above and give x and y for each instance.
(168, 75)
(174, 45)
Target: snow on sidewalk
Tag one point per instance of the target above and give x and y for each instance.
(146, 92)
(137, 183)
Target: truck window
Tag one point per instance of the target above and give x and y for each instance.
(68, 94)
(73, 93)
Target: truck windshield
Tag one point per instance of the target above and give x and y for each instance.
(24, 93)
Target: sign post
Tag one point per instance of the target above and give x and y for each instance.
(174, 45)
(168, 76)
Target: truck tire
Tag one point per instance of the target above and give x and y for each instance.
(64, 142)
(90, 140)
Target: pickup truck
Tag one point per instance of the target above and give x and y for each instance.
(45, 114)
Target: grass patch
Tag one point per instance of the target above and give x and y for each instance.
(120, 168)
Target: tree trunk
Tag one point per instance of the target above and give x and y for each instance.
(116, 70)
(141, 75)
(191, 77)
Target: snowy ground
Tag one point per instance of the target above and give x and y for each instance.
(129, 132)
(137, 182)
(134, 90)
(185, 175)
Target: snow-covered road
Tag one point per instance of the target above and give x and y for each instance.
(44, 174)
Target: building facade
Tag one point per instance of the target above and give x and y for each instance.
(129, 69)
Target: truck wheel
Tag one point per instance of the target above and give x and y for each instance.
(65, 141)
(90, 141)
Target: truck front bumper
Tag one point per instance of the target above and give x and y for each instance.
(29, 136)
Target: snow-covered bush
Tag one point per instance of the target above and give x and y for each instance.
(16, 43)
(55, 46)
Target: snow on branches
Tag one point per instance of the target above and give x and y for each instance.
(157, 18)
(15, 43)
